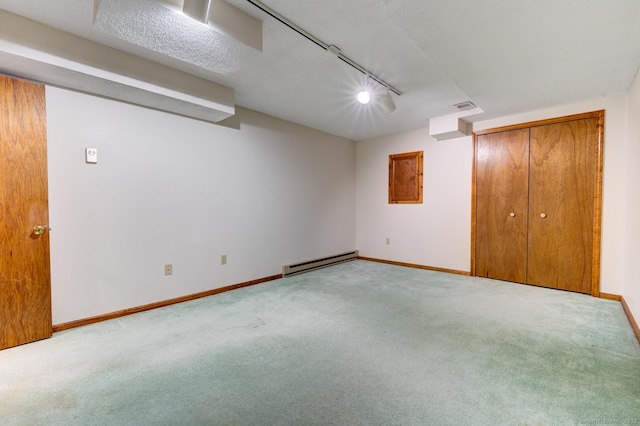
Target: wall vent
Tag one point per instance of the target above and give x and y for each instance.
(310, 265)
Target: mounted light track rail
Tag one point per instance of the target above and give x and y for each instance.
(330, 48)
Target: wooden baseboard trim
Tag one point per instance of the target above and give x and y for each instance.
(608, 296)
(632, 320)
(135, 310)
(413, 265)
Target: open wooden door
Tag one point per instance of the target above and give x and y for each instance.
(25, 281)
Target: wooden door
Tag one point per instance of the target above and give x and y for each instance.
(562, 174)
(502, 168)
(25, 293)
(564, 195)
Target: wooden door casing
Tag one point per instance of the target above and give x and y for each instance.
(561, 192)
(501, 198)
(25, 290)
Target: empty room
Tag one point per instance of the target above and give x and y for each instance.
(278, 212)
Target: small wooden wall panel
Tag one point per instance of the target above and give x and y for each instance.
(405, 178)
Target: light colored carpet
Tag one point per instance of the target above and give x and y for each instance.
(360, 343)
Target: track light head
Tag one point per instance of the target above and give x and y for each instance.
(386, 103)
(364, 97)
(197, 10)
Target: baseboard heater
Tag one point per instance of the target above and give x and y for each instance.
(310, 265)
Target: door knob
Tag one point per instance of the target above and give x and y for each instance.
(512, 214)
(39, 230)
(543, 215)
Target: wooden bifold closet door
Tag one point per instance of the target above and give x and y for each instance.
(537, 203)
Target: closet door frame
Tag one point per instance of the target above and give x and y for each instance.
(597, 186)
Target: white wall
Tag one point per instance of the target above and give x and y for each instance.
(434, 233)
(437, 233)
(169, 189)
(631, 289)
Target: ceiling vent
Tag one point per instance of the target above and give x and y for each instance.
(465, 106)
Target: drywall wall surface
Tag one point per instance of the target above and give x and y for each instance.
(615, 174)
(631, 290)
(435, 233)
(173, 190)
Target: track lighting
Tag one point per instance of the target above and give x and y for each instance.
(386, 102)
(197, 9)
(364, 97)
(223, 18)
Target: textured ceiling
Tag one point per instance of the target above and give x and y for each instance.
(505, 56)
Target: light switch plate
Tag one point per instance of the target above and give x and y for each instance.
(91, 155)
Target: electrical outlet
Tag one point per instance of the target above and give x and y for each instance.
(168, 269)
(388, 241)
(223, 259)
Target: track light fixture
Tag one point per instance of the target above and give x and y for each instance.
(224, 18)
(197, 9)
(386, 102)
(365, 95)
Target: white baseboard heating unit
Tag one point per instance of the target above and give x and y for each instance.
(310, 265)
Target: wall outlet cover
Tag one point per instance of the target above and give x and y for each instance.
(91, 155)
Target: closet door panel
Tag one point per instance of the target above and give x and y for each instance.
(561, 200)
(501, 205)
